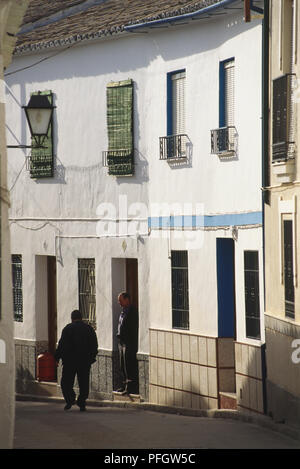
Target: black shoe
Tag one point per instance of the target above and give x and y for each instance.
(67, 406)
(81, 407)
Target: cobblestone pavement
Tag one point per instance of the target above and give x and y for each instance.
(45, 425)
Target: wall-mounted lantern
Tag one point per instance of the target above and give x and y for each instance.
(38, 115)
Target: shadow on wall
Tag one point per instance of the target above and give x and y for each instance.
(283, 370)
(204, 372)
(250, 378)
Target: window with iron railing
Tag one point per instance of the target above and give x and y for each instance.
(87, 290)
(119, 157)
(180, 290)
(281, 124)
(174, 144)
(223, 139)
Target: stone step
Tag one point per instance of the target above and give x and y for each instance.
(43, 388)
(118, 396)
(228, 400)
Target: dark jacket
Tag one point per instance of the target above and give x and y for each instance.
(78, 344)
(128, 327)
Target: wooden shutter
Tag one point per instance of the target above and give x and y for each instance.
(280, 117)
(120, 127)
(42, 160)
(229, 92)
(178, 103)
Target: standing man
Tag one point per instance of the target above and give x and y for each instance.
(128, 344)
(78, 347)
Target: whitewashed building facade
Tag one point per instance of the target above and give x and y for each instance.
(150, 182)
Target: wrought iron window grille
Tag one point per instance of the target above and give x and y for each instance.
(87, 290)
(173, 147)
(17, 287)
(180, 290)
(224, 141)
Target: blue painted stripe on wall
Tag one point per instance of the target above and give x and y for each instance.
(198, 221)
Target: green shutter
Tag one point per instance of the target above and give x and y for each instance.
(120, 127)
(41, 161)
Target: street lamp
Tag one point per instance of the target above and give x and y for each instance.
(38, 114)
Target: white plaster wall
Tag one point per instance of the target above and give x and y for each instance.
(78, 79)
(106, 288)
(221, 185)
(203, 292)
(202, 283)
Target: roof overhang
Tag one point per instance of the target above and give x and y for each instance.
(214, 10)
(221, 8)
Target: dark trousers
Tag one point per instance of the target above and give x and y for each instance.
(128, 367)
(69, 372)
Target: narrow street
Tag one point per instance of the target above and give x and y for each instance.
(42, 425)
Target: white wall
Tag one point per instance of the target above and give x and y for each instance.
(78, 79)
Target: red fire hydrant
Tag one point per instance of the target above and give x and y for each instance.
(46, 367)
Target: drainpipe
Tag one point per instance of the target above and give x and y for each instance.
(265, 162)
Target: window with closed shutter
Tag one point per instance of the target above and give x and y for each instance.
(281, 91)
(229, 92)
(42, 159)
(174, 144)
(178, 103)
(224, 139)
(120, 128)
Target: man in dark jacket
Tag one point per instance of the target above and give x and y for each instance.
(78, 347)
(128, 344)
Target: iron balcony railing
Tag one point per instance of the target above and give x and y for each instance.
(223, 141)
(281, 151)
(114, 155)
(40, 165)
(119, 162)
(173, 147)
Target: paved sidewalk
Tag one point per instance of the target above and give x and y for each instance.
(45, 425)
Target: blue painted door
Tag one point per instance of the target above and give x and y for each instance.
(226, 287)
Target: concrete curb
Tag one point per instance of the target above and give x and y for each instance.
(260, 420)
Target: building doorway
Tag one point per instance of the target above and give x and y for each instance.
(52, 303)
(124, 278)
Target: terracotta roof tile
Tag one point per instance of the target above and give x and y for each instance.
(38, 9)
(106, 18)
